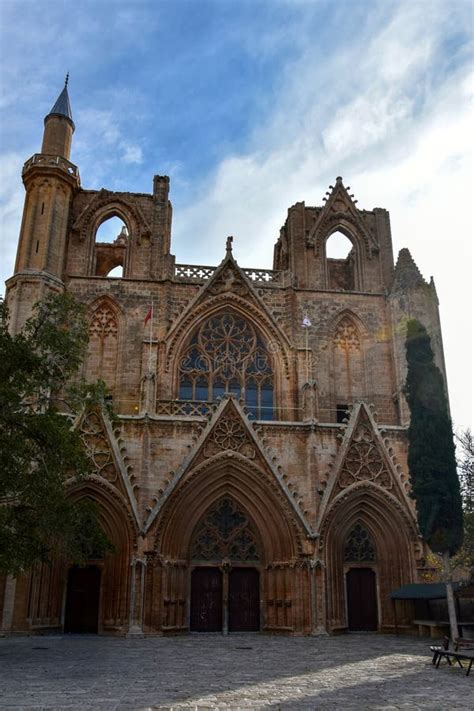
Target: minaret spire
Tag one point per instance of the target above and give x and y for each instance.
(62, 106)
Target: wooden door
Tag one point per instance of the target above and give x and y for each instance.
(244, 600)
(82, 600)
(206, 600)
(361, 599)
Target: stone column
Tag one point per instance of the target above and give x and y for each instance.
(318, 581)
(137, 590)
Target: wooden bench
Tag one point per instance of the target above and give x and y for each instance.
(436, 628)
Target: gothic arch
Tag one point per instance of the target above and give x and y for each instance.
(117, 523)
(105, 334)
(392, 532)
(103, 206)
(48, 581)
(349, 346)
(226, 354)
(272, 339)
(355, 261)
(249, 487)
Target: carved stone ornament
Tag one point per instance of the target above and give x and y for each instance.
(229, 434)
(229, 280)
(98, 447)
(225, 534)
(363, 461)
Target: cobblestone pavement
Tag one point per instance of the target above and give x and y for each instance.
(234, 672)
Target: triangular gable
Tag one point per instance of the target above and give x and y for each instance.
(230, 281)
(340, 211)
(363, 458)
(106, 453)
(229, 431)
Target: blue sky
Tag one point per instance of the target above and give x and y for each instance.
(252, 106)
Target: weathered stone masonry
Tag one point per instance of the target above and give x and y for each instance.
(257, 477)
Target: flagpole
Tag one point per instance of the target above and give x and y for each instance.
(307, 355)
(151, 336)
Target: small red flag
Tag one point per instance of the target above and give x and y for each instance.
(149, 315)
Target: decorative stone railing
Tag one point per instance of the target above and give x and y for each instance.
(200, 273)
(263, 276)
(193, 272)
(49, 160)
(185, 408)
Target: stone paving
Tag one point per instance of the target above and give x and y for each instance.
(236, 672)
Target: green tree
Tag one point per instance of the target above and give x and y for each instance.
(39, 448)
(464, 558)
(431, 454)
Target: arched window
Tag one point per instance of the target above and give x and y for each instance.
(225, 532)
(359, 547)
(103, 345)
(226, 355)
(348, 362)
(340, 261)
(111, 241)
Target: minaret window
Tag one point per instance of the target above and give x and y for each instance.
(227, 355)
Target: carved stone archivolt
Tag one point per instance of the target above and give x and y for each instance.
(363, 461)
(105, 204)
(98, 447)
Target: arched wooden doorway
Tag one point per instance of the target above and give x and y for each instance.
(361, 586)
(225, 579)
(82, 600)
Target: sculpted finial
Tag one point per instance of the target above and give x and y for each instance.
(228, 245)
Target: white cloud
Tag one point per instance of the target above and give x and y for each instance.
(383, 114)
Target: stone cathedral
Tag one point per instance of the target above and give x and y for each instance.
(256, 476)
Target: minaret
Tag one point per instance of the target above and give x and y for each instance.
(50, 181)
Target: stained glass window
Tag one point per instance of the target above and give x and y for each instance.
(359, 547)
(225, 532)
(226, 355)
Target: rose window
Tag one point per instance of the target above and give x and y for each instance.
(226, 355)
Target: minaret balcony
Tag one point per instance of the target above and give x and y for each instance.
(52, 162)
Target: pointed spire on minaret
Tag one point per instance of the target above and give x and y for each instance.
(407, 275)
(62, 107)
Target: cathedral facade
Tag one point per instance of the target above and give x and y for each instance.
(255, 478)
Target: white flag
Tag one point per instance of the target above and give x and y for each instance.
(306, 322)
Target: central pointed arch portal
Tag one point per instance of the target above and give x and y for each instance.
(227, 555)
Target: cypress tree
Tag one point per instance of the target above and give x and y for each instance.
(431, 453)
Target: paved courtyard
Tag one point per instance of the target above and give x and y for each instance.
(235, 672)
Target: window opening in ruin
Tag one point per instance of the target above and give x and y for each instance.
(225, 532)
(341, 413)
(226, 355)
(111, 241)
(340, 260)
(359, 547)
(109, 230)
(116, 272)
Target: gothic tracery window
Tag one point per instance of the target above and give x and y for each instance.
(359, 547)
(225, 532)
(348, 361)
(226, 355)
(103, 341)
